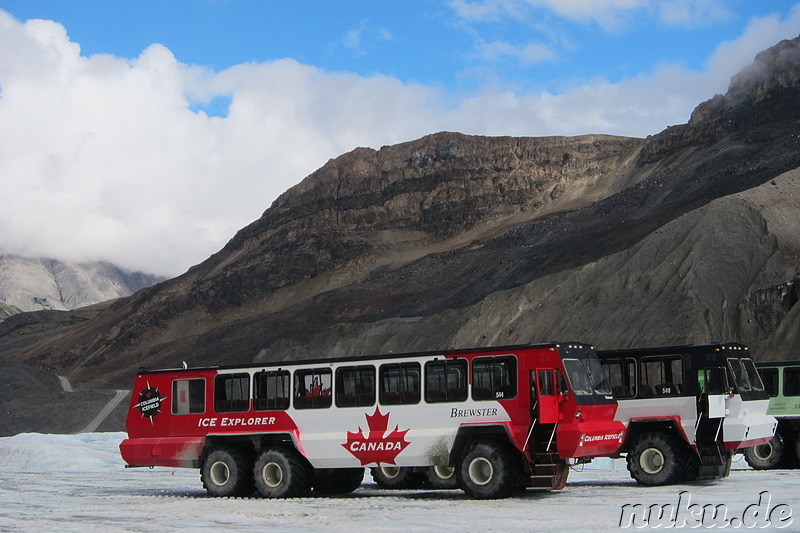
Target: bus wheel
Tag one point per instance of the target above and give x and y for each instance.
(659, 459)
(282, 473)
(227, 472)
(397, 477)
(337, 480)
(797, 451)
(766, 456)
(488, 470)
(442, 477)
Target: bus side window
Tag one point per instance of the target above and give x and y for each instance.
(355, 386)
(446, 381)
(494, 378)
(621, 376)
(231, 393)
(712, 381)
(770, 378)
(661, 376)
(791, 381)
(188, 396)
(312, 388)
(271, 390)
(399, 384)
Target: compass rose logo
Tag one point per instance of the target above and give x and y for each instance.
(150, 402)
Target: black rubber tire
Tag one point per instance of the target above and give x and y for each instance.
(797, 451)
(489, 470)
(282, 473)
(442, 477)
(227, 472)
(660, 459)
(767, 456)
(728, 464)
(337, 480)
(397, 477)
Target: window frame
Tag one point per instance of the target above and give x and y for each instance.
(667, 376)
(406, 396)
(447, 364)
(176, 396)
(276, 403)
(500, 368)
(361, 396)
(237, 405)
(303, 398)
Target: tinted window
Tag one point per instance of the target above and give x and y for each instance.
(446, 381)
(713, 381)
(791, 381)
(752, 374)
(400, 383)
(355, 386)
(546, 387)
(312, 388)
(661, 376)
(271, 390)
(770, 378)
(621, 377)
(188, 396)
(494, 378)
(578, 377)
(739, 374)
(231, 393)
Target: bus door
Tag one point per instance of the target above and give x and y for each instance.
(544, 396)
(712, 384)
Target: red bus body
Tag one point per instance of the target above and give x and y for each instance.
(351, 413)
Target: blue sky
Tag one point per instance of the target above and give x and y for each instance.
(153, 130)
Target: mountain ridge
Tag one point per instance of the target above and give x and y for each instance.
(32, 284)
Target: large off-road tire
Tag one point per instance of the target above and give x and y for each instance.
(282, 473)
(797, 451)
(337, 480)
(727, 464)
(227, 472)
(660, 459)
(488, 470)
(442, 477)
(397, 477)
(766, 456)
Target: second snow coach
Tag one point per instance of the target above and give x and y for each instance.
(687, 409)
(490, 421)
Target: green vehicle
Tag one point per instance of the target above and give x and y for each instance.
(782, 382)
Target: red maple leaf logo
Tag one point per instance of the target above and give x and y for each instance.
(376, 447)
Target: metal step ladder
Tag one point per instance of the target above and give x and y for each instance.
(549, 470)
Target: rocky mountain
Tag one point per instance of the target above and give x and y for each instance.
(34, 284)
(452, 240)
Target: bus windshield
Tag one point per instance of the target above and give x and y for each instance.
(739, 374)
(752, 374)
(587, 377)
(578, 377)
(599, 381)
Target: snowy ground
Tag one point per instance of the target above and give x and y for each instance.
(78, 483)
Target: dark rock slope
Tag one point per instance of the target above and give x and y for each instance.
(452, 240)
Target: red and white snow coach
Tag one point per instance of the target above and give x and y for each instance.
(488, 420)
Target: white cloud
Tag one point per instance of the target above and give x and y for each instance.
(102, 157)
(693, 13)
(760, 33)
(526, 54)
(609, 14)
